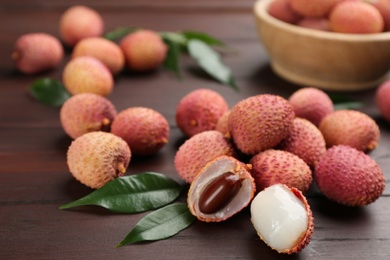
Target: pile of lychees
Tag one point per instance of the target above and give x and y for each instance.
(342, 16)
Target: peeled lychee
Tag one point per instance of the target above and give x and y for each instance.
(198, 150)
(277, 166)
(200, 111)
(87, 74)
(311, 103)
(144, 129)
(37, 52)
(144, 50)
(350, 127)
(86, 112)
(282, 218)
(104, 50)
(96, 158)
(356, 17)
(313, 8)
(382, 98)
(282, 10)
(304, 140)
(349, 177)
(79, 22)
(260, 122)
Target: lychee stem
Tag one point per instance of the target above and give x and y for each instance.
(106, 121)
(121, 168)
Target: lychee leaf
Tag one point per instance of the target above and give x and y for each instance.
(344, 102)
(160, 224)
(172, 60)
(49, 91)
(204, 37)
(210, 61)
(132, 194)
(119, 33)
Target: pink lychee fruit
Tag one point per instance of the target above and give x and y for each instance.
(316, 23)
(37, 52)
(282, 10)
(313, 8)
(144, 50)
(382, 98)
(86, 112)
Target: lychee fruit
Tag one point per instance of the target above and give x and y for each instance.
(350, 127)
(200, 111)
(198, 150)
(382, 98)
(282, 218)
(315, 23)
(282, 10)
(222, 123)
(349, 177)
(304, 140)
(96, 158)
(79, 22)
(86, 112)
(144, 50)
(356, 17)
(104, 50)
(313, 8)
(37, 52)
(277, 166)
(384, 8)
(144, 129)
(87, 74)
(311, 103)
(260, 122)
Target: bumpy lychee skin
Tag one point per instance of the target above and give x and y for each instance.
(382, 98)
(349, 177)
(277, 166)
(356, 17)
(200, 111)
(350, 127)
(86, 112)
(260, 122)
(144, 50)
(281, 9)
(144, 129)
(79, 22)
(87, 74)
(37, 52)
(96, 158)
(313, 8)
(198, 150)
(304, 140)
(311, 103)
(222, 124)
(104, 50)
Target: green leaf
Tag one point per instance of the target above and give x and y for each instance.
(119, 33)
(174, 37)
(206, 38)
(344, 102)
(49, 91)
(172, 60)
(132, 194)
(210, 61)
(160, 224)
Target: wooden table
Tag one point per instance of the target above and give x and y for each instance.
(35, 181)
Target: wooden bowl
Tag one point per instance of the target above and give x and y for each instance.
(327, 60)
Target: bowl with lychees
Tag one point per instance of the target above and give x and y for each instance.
(336, 45)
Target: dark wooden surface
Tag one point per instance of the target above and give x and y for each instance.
(35, 181)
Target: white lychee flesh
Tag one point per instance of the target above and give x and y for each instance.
(279, 217)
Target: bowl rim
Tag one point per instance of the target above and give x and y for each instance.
(260, 9)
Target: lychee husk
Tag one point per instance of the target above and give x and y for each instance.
(96, 158)
(304, 140)
(349, 176)
(350, 127)
(145, 130)
(210, 172)
(312, 104)
(200, 111)
(86, 74)
(198, 150)
(86, 112)
(285, 213)
(222, 123)
(260, 122)
(276, 166)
